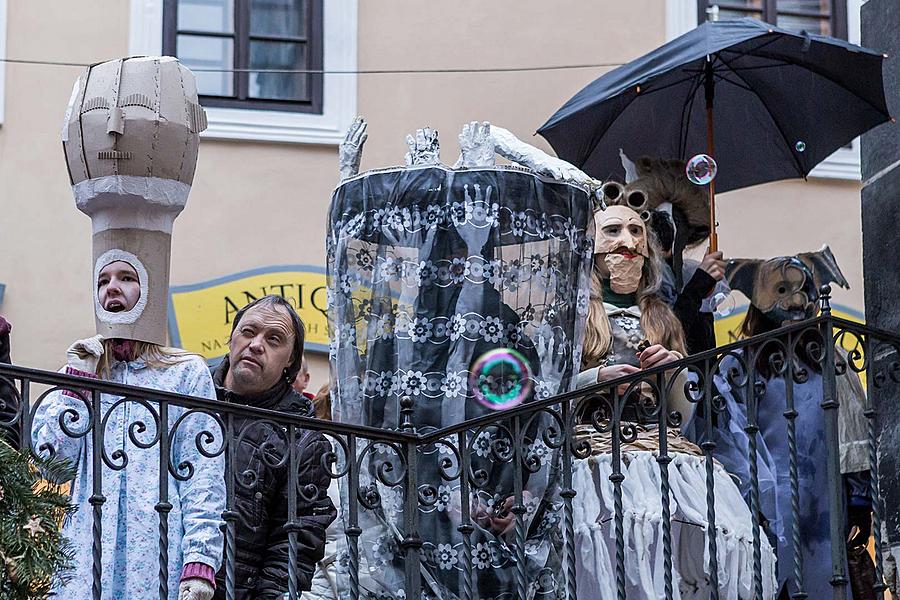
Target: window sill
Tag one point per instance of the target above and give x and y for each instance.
(339, 93)
(277, 126)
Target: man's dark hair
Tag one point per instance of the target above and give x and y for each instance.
(299, 330)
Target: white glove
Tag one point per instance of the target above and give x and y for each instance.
(476, 146)
(195, 589)
(424, 149)
(83, 355)
(350, 150)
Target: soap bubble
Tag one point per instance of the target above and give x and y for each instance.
(500, 379)
(800, 146)
(701, 169)
(724, 303)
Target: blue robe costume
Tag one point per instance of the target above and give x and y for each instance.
(130, 522)
(773, 459)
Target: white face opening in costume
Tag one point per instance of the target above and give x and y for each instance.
(621, 246)
(121, 288)
(118, 287)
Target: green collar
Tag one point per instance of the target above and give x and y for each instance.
(617, 300)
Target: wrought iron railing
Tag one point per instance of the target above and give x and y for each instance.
(566, 427)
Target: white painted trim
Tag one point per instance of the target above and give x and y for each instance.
(145, 28)
(339, 93)
(2, 64)
(681, 17)
(843, 164)
(853, 21)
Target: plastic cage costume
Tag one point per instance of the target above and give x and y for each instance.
(428, 269)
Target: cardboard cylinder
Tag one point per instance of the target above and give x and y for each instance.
(130, 137)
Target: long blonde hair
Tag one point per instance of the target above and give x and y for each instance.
(658, 322)
(154, 355)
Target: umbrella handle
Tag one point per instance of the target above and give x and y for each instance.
(709, 84)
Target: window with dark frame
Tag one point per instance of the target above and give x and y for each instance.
(249, 53)
(826, 17)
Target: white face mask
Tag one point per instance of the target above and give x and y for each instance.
(622, 242)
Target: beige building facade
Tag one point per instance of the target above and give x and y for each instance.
(264, 179)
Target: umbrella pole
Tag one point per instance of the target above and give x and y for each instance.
(710, 86)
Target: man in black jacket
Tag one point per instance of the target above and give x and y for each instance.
(9, 398)
(265, 351)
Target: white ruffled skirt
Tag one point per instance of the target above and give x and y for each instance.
(594, 517)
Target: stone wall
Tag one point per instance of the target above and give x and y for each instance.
(881, 243)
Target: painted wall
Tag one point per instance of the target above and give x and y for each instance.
(260, 204)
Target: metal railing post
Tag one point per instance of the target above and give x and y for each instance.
(292, 525)
(568, 493)
(230, 516)
(663, 459)
(353, 530)
(790, 413)
(97, 498)
(518, 508)
(163, 507)
(617, 478)
(465, 526)
(830, 404)
(709, 447)
(411, 542)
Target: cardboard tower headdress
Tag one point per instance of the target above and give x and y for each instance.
(130, 136)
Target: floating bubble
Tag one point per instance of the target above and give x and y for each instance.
(500, 379)
(724, 303)
(800, 146)
(701, 169)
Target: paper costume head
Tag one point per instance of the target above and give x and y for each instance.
(621, 240)
(785, 288)
(130, 137)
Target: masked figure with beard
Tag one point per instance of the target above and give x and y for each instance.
(784, 290)
(631, 328)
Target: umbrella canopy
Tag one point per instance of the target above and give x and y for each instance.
(783, 102)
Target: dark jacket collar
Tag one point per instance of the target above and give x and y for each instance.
(278, 397)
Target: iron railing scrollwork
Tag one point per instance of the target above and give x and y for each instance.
(381, 471)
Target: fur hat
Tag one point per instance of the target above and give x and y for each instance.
(658, 181)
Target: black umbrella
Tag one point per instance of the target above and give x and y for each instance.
(781, 102)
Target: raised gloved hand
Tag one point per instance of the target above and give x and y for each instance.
(476, 146)
(83, 355)
(424, 148)
(350, 150)
(195, 589)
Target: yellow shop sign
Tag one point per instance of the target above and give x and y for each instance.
(200, 314)
(728, 329)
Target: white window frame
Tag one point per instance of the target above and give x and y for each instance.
(2, 59)
(681, 17)
(338, 93)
